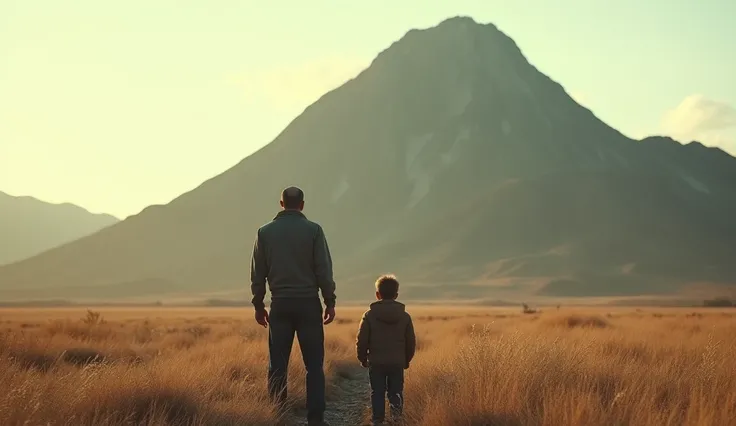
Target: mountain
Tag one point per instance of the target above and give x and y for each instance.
(29, 226)
(450, 161)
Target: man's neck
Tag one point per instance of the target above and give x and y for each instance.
(290, 212)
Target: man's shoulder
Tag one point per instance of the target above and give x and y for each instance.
(299, 219)
(265, 227)
(313, 223)
(303, 223)
(266, 230)
(314, 227)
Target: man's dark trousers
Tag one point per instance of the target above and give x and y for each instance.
(386, 381)
(302, 316)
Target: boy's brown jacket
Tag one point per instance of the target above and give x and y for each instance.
(386, 335)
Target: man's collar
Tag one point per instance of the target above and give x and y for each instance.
(288, 213)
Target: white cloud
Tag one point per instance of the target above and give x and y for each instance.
(698, 118)
(300, 84)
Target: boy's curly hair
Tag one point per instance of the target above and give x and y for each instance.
(387, 286)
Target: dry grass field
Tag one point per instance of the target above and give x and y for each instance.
(474, 366)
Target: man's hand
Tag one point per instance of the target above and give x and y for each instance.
(262, 317)
(329, 315)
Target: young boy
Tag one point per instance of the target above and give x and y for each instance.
(386, 345)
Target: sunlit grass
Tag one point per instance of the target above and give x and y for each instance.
(473, 367)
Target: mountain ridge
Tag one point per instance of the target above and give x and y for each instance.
(400, 163)
(33, 226)
(65, 204)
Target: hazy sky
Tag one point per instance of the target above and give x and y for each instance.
(116, 105)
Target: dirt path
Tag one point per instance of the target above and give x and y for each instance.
(354, 398)
(348, 408)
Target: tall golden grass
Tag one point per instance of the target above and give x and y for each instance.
(473, 367)
(581, 369)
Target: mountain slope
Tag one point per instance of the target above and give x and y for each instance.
(451, 161)
(29, 226)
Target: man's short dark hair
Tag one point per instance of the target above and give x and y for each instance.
(387, 286)
(292, 197)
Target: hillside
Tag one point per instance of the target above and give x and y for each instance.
(451, 161)
(29, 226)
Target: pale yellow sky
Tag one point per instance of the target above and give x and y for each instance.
(118, 105)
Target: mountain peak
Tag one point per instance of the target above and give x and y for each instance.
(459, 20)
(458, 39)
(464, 23)
(466, 168)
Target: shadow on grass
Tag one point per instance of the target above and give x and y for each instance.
(37, 359)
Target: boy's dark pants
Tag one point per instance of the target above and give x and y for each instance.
(386, 381)
(303, 317)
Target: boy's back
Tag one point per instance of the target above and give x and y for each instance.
(386, 335)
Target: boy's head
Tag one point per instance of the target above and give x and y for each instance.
(387, 287)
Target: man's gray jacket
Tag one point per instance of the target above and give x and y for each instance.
(292, 255)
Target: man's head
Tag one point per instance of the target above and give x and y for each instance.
(292, 198)
(387, 287)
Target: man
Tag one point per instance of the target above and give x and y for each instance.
(292, 254)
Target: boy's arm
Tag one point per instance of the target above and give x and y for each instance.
(361, 345)
(411, 341)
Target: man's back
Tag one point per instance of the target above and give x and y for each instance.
(292, 255)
